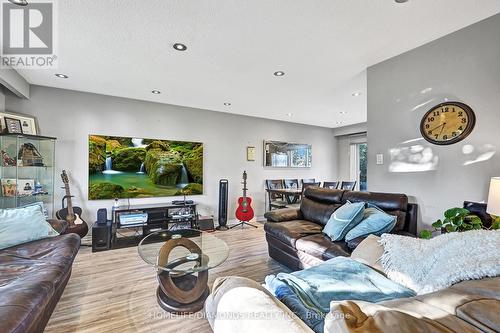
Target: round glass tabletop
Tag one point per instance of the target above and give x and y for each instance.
(183, 251)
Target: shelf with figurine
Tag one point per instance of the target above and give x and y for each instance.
(12, 187)
(28, 156)
(27, 170)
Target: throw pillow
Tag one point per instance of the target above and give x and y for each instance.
(39, 204)
(374, 222)
(369, 252)
(23, 225)
(344, 219)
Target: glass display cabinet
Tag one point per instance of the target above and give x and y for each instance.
(27, 171)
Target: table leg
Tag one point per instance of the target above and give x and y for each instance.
(177, 292)
(182, 294)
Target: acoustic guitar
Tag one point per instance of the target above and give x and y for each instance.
(71, 214)
(244, 212)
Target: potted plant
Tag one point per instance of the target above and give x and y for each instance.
(456, 219)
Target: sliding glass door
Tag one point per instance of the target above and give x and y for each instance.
(358, 164)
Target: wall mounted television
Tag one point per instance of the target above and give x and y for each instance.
(126, 167)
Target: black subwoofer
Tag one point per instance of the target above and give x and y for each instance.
(101, 236)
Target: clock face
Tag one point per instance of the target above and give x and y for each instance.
(448, 123)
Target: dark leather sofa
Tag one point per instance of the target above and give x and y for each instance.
(294, 236)
(32, 278)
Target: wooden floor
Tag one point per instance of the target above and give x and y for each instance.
(114, 291)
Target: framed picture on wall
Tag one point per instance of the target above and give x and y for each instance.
(250, 153)
(29, 123)
(280, 154)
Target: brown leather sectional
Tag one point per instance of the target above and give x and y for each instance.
(466, 307)
(294, 236)
(32, 278)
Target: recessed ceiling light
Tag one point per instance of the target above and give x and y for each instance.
(401, 1)
(61, 76)
(279, 73)
(180, 47)
(19, 2)
(356, 93)
(289, 114)
(227, 104)
(343, 112)
(156, 92)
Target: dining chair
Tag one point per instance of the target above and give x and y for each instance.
(276, 200)
(331, 185)
(306, 185)
(291, 183)
(307, 181)
(350, 186)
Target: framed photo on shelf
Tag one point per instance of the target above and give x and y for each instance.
(9, 187)
(25, 187)
(13, 125)
(29, 123)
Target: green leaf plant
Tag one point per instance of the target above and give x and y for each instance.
(496, 222)
(457, 220)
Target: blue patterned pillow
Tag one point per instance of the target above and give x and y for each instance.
(344, 219)
(374, 222)
(22, 225)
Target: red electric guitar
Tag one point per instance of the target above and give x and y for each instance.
(244, 212)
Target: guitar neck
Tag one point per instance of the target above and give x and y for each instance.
(244, 185)
(69, 202)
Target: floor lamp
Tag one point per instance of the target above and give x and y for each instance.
(494, 197)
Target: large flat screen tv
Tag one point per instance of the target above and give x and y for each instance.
(125, 167)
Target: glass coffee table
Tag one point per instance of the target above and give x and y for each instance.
(182, 259)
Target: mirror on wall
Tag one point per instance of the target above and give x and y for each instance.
(278, 154)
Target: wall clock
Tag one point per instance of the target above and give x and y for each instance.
(447, 123)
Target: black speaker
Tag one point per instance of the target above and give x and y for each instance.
(102, 216)
(101, 236)
(223, 200)
(206, 224)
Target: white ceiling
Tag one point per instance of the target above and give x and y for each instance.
(124, 48)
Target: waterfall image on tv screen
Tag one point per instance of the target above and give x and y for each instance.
(123, 167)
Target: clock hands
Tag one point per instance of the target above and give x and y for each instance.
(444, 124)
(432, 130)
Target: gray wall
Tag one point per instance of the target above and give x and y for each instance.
(463, 66)
(71, 116)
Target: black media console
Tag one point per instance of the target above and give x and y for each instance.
(132, 223)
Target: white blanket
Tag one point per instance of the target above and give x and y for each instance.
(427, 265)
